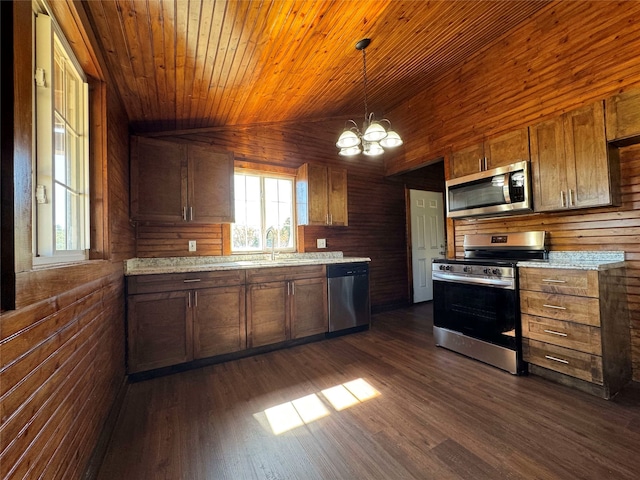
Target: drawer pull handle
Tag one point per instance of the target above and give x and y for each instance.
(554, 306)
(556, 359)
(192, 280)
(553, 332)
(551, 280)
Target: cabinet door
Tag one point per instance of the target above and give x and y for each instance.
(548, 165)
(468, 160)
(338, 211)
(623, 116)
(158, 180)
(309, 307)
(219, 324)
(507, 149)
(267, 319)
(586, 157)
(318, 195)
(210, 186)
(159, 330)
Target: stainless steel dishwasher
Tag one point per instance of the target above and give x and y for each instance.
(349, 305)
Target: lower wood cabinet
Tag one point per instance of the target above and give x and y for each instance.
(219, 321)
(178, 318)
(179, 323)
(158, 331)
(291, 308)
(575, 327)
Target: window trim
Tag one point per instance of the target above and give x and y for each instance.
(47, 27)
(265, 173)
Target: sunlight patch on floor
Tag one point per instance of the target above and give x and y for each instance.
(301, 411)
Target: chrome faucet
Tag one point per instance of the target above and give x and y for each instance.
(274, 236)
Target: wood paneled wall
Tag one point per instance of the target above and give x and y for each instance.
(568, 54)
(62, 348)
(173, 240)
(376, 205)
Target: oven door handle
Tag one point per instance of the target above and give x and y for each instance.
(489, 282)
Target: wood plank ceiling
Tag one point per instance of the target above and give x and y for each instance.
(207, 63)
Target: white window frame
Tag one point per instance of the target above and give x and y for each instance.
(49, 38)
(264, 228)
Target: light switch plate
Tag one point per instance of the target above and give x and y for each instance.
(192, 245)
(321, 242)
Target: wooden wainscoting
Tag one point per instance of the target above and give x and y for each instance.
(59, 376)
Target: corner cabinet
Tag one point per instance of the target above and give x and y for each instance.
(623, 118)
(494, 152)
(575, 327)
(285, 303)
(176, 182)
(321, 195)
(176, 318)
(571, 163)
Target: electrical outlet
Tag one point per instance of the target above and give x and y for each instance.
(192, 245)
(321, 242)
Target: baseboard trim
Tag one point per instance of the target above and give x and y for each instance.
(99, 451)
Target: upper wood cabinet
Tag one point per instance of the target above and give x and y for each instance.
(494, 152)
(321, 195)
(176, 182)
(623, 117)
(570, 161)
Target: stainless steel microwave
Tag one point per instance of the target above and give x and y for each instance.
(499, 191)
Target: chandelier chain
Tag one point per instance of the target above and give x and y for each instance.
(364, 75)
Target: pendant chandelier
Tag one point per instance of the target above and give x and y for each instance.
(375, 137)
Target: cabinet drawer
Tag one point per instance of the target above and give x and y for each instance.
(281, 274)
(555, 280)
(561, 307)
(171, 282)
(570, 362)
(576, 336)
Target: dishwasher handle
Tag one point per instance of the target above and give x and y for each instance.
(347, 270)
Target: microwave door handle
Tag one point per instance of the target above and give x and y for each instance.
(506, 188)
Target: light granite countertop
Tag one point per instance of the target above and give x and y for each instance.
(584, 260)
(151, 266)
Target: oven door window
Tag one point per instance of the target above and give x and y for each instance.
(485, 313)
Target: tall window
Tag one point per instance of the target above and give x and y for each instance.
(264, 214)
(61, 165)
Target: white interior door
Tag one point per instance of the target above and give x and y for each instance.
(427, 239)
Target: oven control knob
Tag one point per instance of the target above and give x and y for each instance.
(486, 271)
(447, 268)
(466, 269)
(496, 271)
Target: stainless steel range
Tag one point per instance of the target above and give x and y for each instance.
(476, 308)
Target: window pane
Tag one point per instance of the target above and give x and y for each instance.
(58, 82)
(60, 151)
(252, 230)
(71, 103)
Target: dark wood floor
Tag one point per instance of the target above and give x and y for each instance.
(438, 415)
